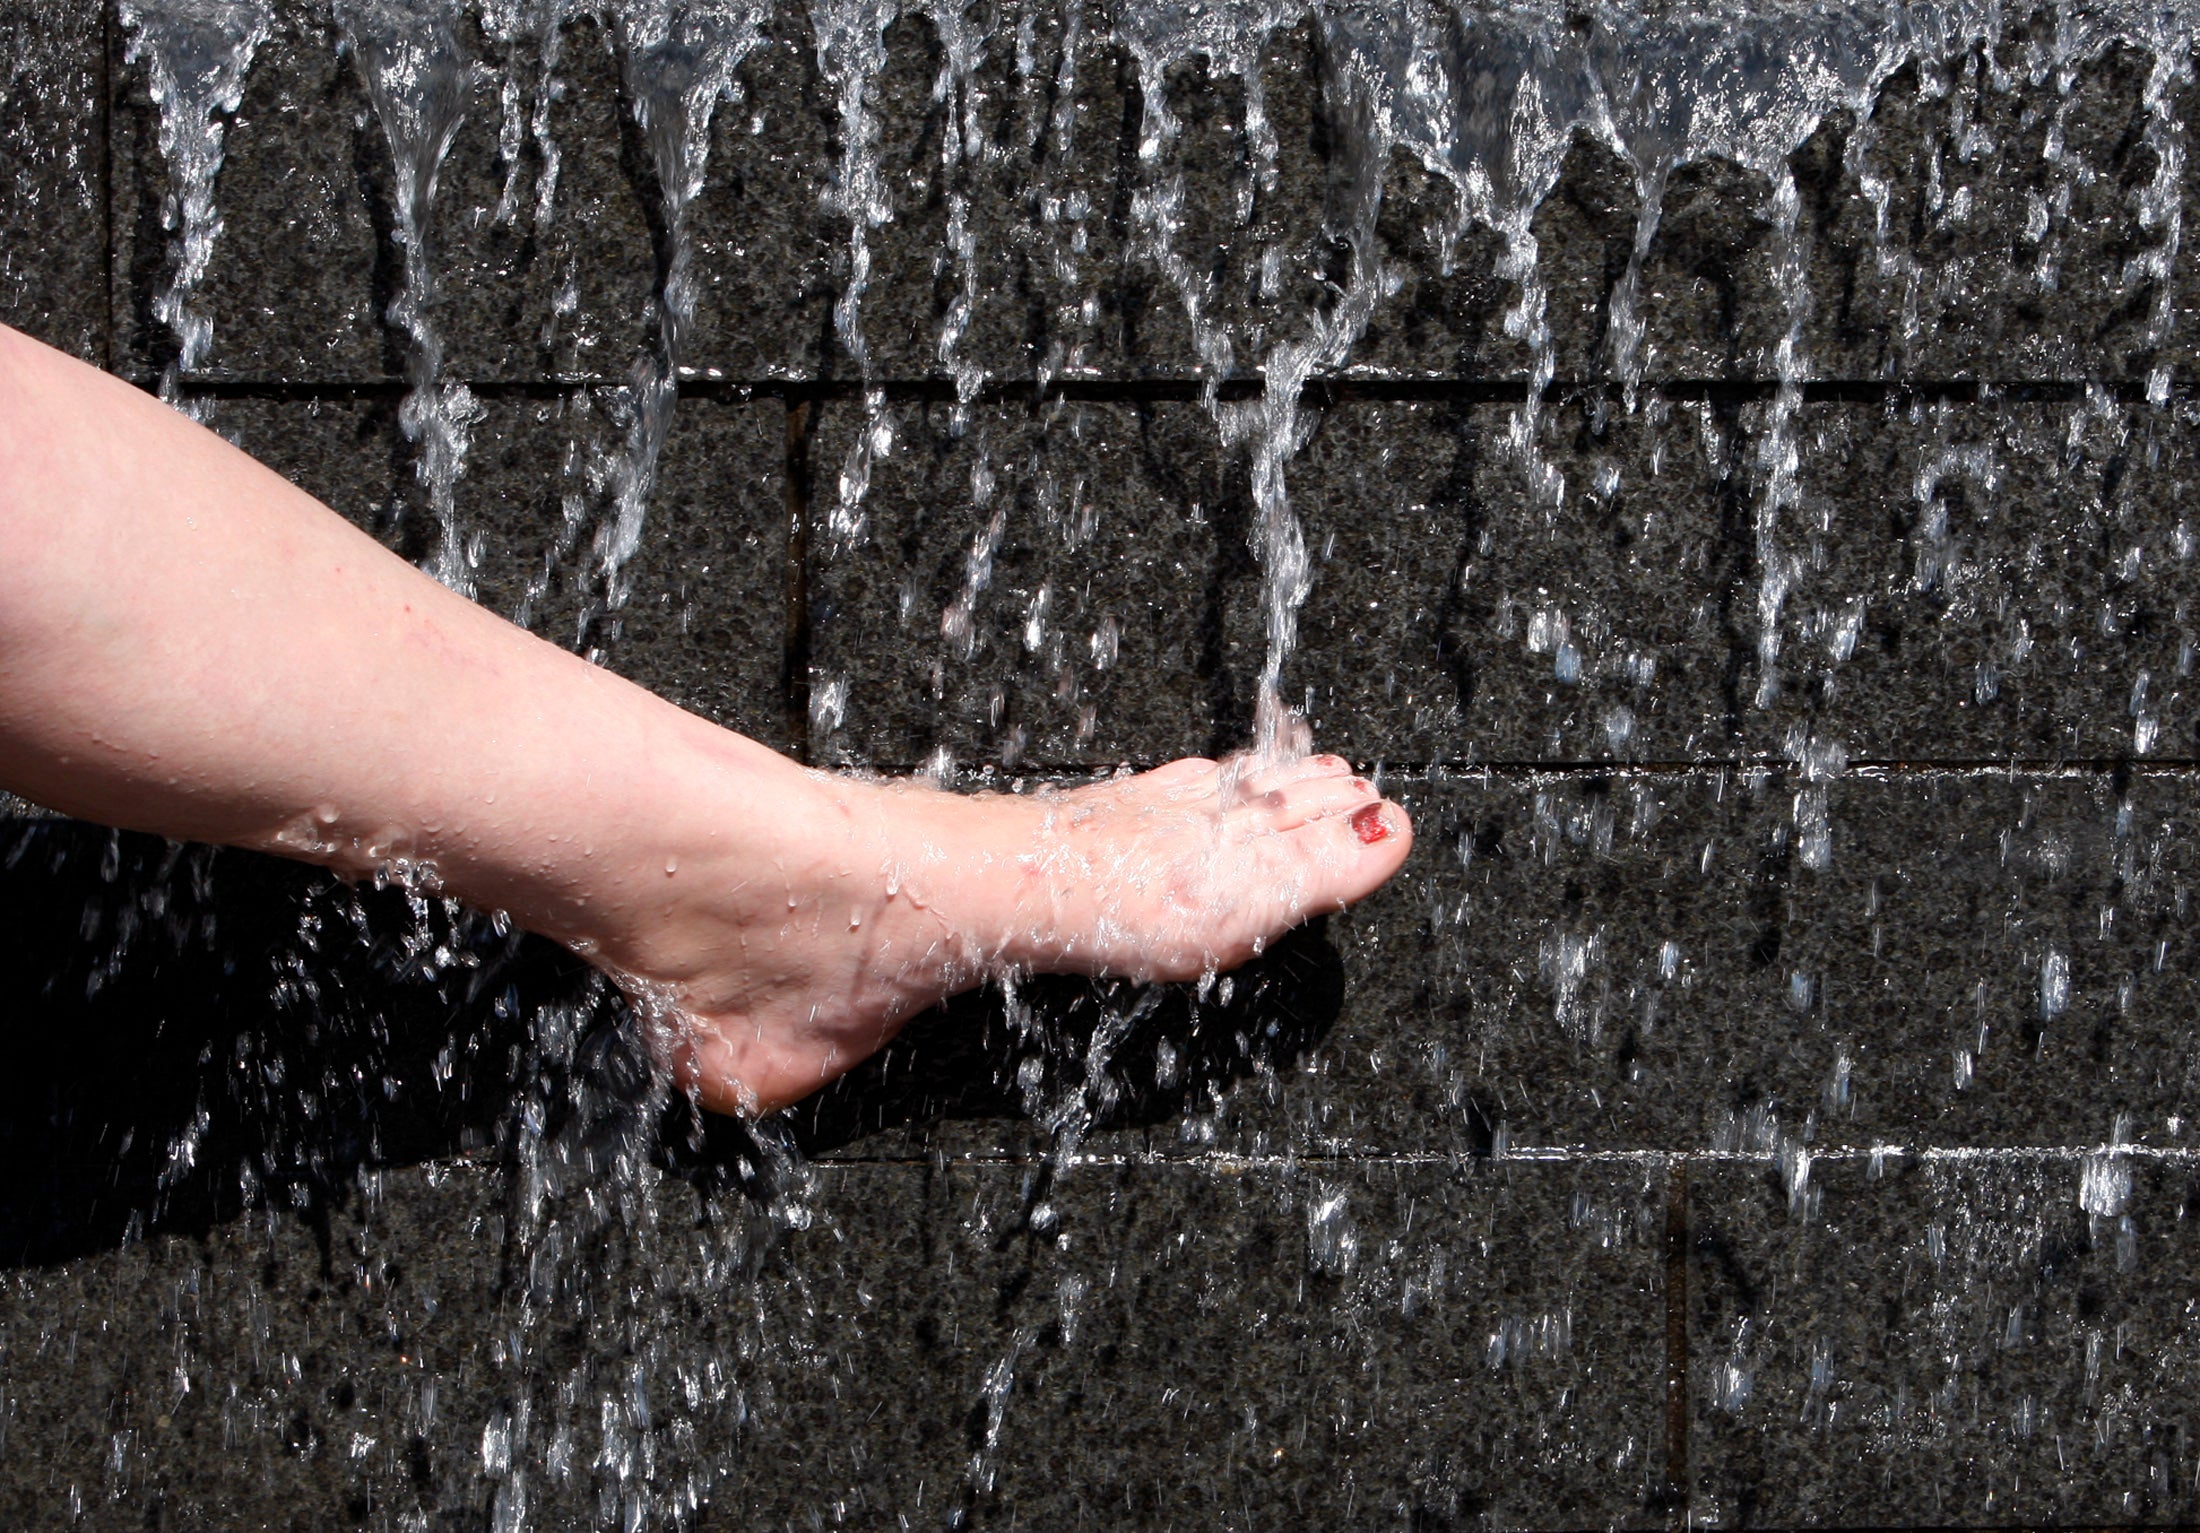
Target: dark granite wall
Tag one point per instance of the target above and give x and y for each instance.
(1646, 1155)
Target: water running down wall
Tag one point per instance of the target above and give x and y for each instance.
(1724, 464)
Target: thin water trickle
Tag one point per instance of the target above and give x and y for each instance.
(682, 58)
(418, 76)
(196, 55)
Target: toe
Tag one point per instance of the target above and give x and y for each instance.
(1258, 781)
(1317, 798)
(1361, 849)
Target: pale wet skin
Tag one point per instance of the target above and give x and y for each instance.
(884, 899)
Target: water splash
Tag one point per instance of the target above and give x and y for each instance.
(681, 60)
(417, 75)
(196, 55)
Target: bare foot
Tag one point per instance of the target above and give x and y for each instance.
(861, 904)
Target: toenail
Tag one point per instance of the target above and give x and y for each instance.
(1368, 825)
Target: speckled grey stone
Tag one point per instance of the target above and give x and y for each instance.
(1380, 1343)
(53, 152)
(1653, 961)
(1078, 552)
(1398, 1346)
(546, 259)
(1963, 581)
(1953, 1343)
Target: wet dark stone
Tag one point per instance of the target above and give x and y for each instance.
(53, 153)
(1948, 1340)
(1693, 1133)
(523, 289)
(1970, 581)
(1094, 628)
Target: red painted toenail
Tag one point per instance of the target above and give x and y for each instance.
(1368, 824)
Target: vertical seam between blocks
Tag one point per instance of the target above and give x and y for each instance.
(1676, 1343)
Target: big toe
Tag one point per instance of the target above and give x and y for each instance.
(1358, 851)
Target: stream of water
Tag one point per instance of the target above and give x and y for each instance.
(1487, 102)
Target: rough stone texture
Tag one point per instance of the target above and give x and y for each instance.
(1967, 581)
(1958, 1343)
(1054, 581)
(540, 267)
(994, 1366)
(1709, 1127)
(53, 186)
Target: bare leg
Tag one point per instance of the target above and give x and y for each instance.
(190, 645)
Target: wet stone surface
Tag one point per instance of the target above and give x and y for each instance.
(546, 231)
(1716, 1122)
(1032, 584)
(1960, 1342)
(1317, 1330)
(53, 174)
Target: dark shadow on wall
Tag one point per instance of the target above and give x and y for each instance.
(1077, 1054)
(193, 1032)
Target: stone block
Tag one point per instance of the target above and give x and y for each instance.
(53, 188)
(705, 615)
(1952, 581)
(1642, 961)
(920, 1340)
(1984, 219)
(1357, 1344)
(1671, 962)
(1031, 234)
(1455, 616)
(1989, 581)
(547, 231)
(1036, 587)
(1992, 1341)
(290, 1372)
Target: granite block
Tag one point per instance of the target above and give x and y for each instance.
(53, 176)
(1641, 961)
(1951, 581)
(548, 236)
(1372, 1345)
(1670, 962)
(1031, 586)
(286, 1372)
(1028, 231)
(2014, 254)
(1986, 581)
(763, 240)
(1454, 616)
(1983, 219)
(300, 275)
(946, 1342)
(704, 614)
(1998, 1341)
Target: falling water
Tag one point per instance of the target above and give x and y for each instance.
(1491, 103)
(196, 54)
(408, 55)
(681, 60)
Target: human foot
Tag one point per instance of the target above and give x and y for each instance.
(869, 902)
